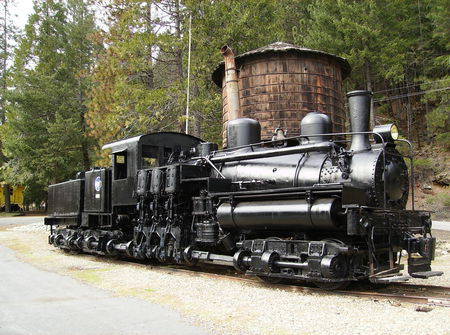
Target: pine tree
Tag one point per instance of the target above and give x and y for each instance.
(437, 72)
(8, 35)
(140, 75)
(45, 136)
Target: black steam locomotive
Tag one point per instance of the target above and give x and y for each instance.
(302, 208)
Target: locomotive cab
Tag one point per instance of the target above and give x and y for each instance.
(145, 151)
(105, 197)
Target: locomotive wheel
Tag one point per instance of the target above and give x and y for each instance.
(187, 255)
(238, 258)
(332, 286)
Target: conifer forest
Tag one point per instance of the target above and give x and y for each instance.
(83, 73)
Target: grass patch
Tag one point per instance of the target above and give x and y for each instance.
(439, 200)
(423, 162)
(91, 275)
(440, 204)
(8, 215)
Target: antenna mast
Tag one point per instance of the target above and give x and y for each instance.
(188, 76)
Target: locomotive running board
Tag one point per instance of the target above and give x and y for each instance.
(426, 274)
(391, 279)
(401, 278)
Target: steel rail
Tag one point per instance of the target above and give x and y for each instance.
(441, 301)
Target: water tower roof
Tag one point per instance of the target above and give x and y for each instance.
(280, 47)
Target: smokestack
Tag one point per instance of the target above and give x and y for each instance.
(359, 106)
(231, 81)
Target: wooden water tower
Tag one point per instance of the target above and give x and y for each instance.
(280, 83)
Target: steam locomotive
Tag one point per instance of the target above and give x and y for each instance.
(314, 207)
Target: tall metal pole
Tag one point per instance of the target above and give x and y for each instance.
(188, 76)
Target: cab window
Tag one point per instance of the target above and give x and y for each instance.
(120, 165)
(149, 156)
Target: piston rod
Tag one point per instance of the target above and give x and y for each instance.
(284, 264)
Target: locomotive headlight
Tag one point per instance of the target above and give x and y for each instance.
(394, 132)
(389, 133)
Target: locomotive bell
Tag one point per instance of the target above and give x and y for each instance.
(315, 124)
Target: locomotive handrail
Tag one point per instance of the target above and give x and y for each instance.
(411, 159)
(317, 188)
(305, 136)
(384, 168)
(324, 146)
(213, 166)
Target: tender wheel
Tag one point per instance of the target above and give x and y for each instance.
(332, 285)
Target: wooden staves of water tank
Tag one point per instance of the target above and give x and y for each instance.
(280, 83)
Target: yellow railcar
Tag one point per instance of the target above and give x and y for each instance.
(16, 197)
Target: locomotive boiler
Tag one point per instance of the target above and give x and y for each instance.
(319, 206)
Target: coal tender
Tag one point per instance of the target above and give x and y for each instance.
(321, 207)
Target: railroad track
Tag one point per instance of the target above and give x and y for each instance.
(440, 295)
(431, 295)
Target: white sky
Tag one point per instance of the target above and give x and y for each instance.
(20, 11)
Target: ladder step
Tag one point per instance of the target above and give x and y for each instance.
(426, 274)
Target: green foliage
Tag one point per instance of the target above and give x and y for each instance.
(440, 199)
(45, 133)
(423, 162)
(439, 203)
(8, 36)
(370, 34)
(436, 70)
(137, 89)
(76, 87)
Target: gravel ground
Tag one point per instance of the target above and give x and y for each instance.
(32, 228)
(234, 307)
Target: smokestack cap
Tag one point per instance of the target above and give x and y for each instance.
(358, 92)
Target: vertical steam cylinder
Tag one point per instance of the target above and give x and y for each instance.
(243, 131)
(315, 123)
(359, 107)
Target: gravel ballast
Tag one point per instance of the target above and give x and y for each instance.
(236, 307)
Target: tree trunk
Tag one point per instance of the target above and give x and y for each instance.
(84, 140)
(4, 61)
(7, 195)
(179, 56)
(149, 74)
(197, 115)
(369, 88)
(408, 114)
